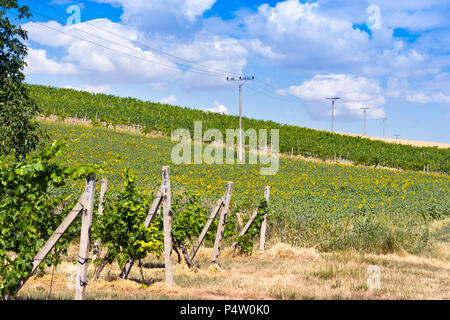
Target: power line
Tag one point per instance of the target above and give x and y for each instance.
(217, 71)
(121, 45)
(120, 52)
(206, 68)
(259, 90)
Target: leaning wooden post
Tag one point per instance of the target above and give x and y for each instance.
(167, 226)
(205, 229)
(246, 227)
(51, 242)
(262, 241)
(103, 186)
(148, 220)
(83, 254)
(222, 220)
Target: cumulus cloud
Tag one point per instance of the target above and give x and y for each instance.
(38, 63)
(164, 17)
(218, 108)
(90, 88)
(113, 59)
(355, 92)
(169, 100)
(435, 90)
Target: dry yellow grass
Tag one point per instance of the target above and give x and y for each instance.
(281, 272)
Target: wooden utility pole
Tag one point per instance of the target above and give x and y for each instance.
(384, 126)
(364, 109)
(167, 226)
(222, 220)
(332, 111)
(83, 254)
(245, 79)
(262, 241)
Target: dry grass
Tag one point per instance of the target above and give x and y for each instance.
(281, 272)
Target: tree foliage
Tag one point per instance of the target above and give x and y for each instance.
(19, 132)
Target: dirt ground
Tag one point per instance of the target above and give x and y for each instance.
(281, 272)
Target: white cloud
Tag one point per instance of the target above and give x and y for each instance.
(218, 108)
(418, 97)
(161, 16)
(355, 92)
(97, 88)
(169, 100)
(122, 62)
(91, 88)
(38, 63)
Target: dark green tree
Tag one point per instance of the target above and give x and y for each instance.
(19, 131)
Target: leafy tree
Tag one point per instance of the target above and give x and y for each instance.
(20, 133)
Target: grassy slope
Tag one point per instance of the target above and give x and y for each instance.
(327, 206)
(300, 141)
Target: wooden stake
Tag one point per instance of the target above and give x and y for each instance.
(103, 186)
(56, 235)
(205, 229)
(167, 226)
(246, 227)
(148, 220)
(155, 207)
(262, 241)
(222, 220)
(83, 254)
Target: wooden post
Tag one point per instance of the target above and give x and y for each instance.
(103, 186)
(205, 229)
(83, 254)
(222, 220)
(148, 220)
(155, 207)
(56, 235)
(262, 241)
(167, 226)
(246, 227)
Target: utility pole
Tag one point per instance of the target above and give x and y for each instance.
(384, 127)
(364, 109)
(332, 111)
(245, 79)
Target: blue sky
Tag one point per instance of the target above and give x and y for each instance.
(390, 56)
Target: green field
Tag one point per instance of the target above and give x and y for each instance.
(300, 141)
(314, 204)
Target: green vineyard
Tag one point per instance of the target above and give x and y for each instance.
(313, 204)
(297, 140)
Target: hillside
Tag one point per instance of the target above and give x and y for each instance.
(297, 140)
(333, 206)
